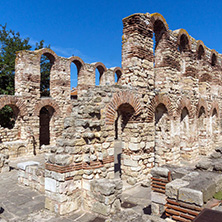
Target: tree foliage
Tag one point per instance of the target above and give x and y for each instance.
(10, 43)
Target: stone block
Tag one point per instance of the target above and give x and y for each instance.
(134, 146)
(159, 171)
(172, 188)
(23, 165)
(191, 196)
(69, 206)
(218, 182)
(101, 208)
(129, 162)
(158, 198)
(50, 184)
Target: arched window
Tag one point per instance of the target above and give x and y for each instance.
(8, 116)
(184, 43)
(184, 120)
(99, 77)
(118, 75)
(200, 52)
(213, 60)
(46, 63)
(75, 69)
(46, 114)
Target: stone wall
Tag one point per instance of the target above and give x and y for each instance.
(164, 108)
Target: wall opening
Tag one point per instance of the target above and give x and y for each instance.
(200, 52)
(75, 69)
(159, 31)
(214, 126)
(184, 133)
(8, 116)
(46, 114)
(122, 135)
(162, 135)
(213, 60)
(201, 124)
(184, 43)
(99, 77)
(117, 76)
(46, 63)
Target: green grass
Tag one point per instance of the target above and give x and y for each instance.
(218, 195)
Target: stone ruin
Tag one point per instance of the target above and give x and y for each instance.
(164, 108)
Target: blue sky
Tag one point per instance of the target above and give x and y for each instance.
(92, 29)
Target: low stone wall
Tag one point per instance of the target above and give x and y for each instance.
(104, 197)
(16, 148)
(32, 174)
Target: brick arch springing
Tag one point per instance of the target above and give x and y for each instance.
(202, 103)
(214, 105)
(47, 102)
(13, 101)
(158, 99)
(200, 50)
(160, 28)
(181, 36)
(78, 62)
(157, 16)
(184, 103)
(118, 71)
(46, 51)
(102, 69)
(118, 99)
(213, 57)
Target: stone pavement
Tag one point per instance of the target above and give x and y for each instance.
(20, 203)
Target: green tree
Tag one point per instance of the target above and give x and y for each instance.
(10, 43)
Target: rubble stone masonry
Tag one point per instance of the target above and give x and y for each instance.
(165, 107)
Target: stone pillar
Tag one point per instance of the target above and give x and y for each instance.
(104, 196)
(137, 51)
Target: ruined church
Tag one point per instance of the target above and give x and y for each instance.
(163, 107)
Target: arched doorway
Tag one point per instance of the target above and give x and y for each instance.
(201, 124)
(162, 135)
(46, 114)
(122, 134)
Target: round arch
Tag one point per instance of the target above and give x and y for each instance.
(119, 98)
(158, 99)
(47, 102)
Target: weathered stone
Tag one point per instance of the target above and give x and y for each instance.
(192, 196)
(172, 188)
(158, 198)
(159, 171)
(23, 165)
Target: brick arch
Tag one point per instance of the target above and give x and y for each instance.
(77, 61)
(199, 44)
(158, 99)
(214, 53)
(180, 34)
(14, 101)
(214, 105)
(47, 102)
(100, 66)
(184, 102)
(158, 16)
(48, 52)
(118, 99)
(202, 103)
(118, 72)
